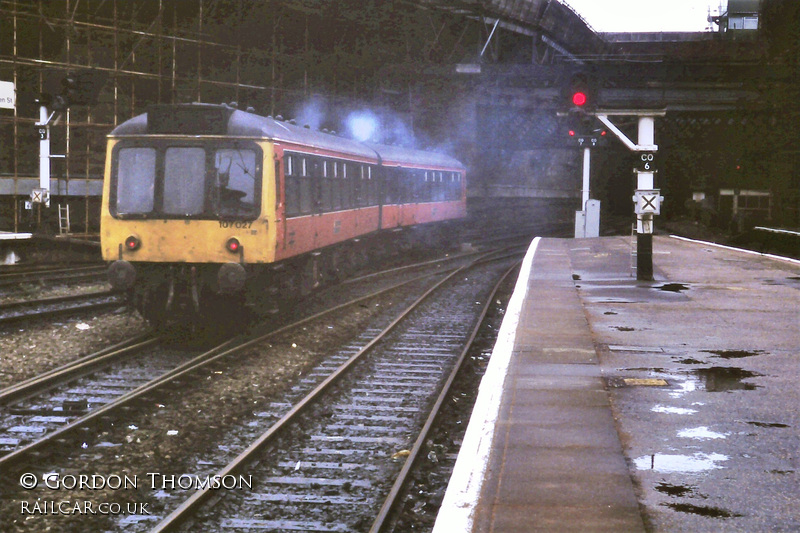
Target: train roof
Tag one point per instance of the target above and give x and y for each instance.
(211, 119)
(399, 155)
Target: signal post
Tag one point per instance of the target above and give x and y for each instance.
(647, 198)
(580, 97)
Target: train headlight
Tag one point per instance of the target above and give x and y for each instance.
(233, 245)
(132, 243)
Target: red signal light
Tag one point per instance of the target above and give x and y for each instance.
(132, 243)
(579, 98)
(233, 245)
(572, 133)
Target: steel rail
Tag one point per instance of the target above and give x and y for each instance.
(396, 490)
(46, 271)
(54, 279)
(57, 300)
(56, 376)
(410, 267)
(59, 312)
(182, 512)
(22, 268)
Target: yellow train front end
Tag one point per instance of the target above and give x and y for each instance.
(188, 211)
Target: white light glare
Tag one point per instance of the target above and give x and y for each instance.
(362, 125)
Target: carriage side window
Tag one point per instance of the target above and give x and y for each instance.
(336, 187)
(405, 185)
(292, 186)
(136, 176)
(347, 187)
(325, 186)
(372, 187)
(184, 193)
(388, 186)
(306, 188)
(358, 186)
(455, 186)
(427, 187)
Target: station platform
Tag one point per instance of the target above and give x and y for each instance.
(612, 404)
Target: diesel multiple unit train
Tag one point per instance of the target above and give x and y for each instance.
(208, 209)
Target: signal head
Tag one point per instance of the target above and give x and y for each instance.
(579, 98)
(579, 91)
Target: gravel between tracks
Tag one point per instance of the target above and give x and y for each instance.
(185, 423)
(29, 349)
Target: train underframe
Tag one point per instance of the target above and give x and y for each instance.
(226, 296)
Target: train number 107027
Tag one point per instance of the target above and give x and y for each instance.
(237, 225)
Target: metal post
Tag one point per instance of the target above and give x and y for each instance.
(44, 150)
(587, 156)
(644, 222)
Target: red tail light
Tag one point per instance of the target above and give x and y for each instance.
(132, 243)
(233, 245)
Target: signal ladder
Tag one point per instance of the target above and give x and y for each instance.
(63, 219)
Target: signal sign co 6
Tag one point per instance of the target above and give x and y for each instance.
(646, 161)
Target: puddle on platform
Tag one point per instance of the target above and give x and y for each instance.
(576, 277)
(664, 463)
(690, 361)
(672, 410)
(609, 313)
(734, 354)
(673, 287)
(723, 378)
(622, 328)
(702, 510)
(700, 433)
(768, 425)
(676, 491)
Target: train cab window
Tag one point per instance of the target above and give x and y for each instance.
(234, 182)
(136, 176)
(182, 196)
(180, 179)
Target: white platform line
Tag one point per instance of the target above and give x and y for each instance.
(457, 512)
(752, 252)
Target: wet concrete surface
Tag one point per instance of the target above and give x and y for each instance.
(702, 367)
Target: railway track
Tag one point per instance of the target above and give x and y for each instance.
(15, 312)
(366, 409)
(51, 412)
(41, 384)
(15, 281)
(23, 453)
